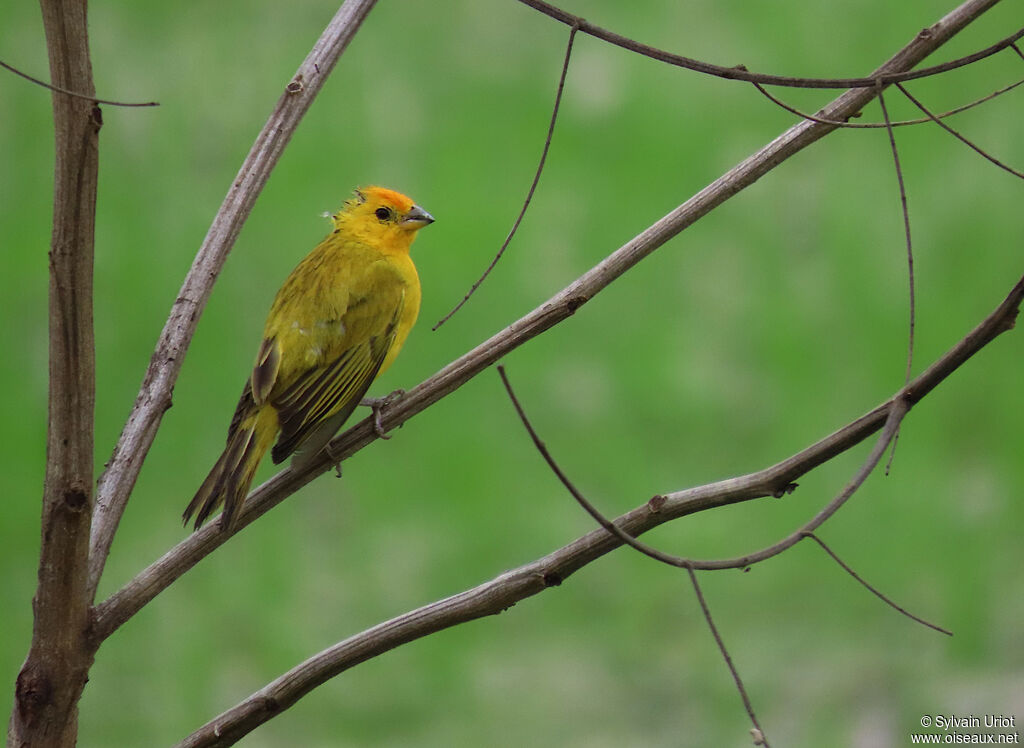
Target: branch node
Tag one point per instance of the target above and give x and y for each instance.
(551, 578)
(76, 499)
(575, 302)
(34, 692)
(270, 705)
(785, 490)
(655, 503)
(1008, 322)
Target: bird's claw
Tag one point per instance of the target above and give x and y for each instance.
(377, 404)
(336, 460)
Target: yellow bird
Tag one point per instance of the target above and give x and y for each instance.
(337, 323)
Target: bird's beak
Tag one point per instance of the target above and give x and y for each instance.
(416, 218)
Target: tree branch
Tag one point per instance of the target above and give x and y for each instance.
(884, 598)
(154, 398)
(154, 579)
(937, 119)
(68, 92)
(509, 588)
(741, 73)
(879, 125)
(55, 671)
(529, 192)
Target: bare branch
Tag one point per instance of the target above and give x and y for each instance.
(154, 398)
(906, 233)
(509, 588)
(910, 255)
(872, 590)
(65, 91)
(741, 73)
(55, 671)
(938, 121)
(896, 413)
(177, 561)
(879, 125)
(583, 501)
(533, 185)
(761, 739)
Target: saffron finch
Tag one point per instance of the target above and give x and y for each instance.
(337, 323)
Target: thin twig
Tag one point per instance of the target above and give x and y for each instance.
(762, 740)
(75, 94)
(533, 185)
(154, 579)
(906, 232)
(879, 125)
(629, 540)
(742, 74)
(154, 398)
(898, 409)
(593, 511)
(872, 590)
(938, 121)
(503, 591)
(910, 256)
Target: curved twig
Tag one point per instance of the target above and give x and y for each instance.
(897, 410)
(75, 94)
(938, 121)
(744, 697)
(742, 74)
(910, 256)
(879, 125)
(874, 591)
(643, 548)
(533, 185)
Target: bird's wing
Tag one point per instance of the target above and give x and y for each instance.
(264, 373)
(317, 402)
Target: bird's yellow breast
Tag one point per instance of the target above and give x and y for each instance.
(344, 293)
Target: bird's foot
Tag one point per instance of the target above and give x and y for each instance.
(378, 404)
(335, 459)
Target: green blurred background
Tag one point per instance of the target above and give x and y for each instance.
(764, 327)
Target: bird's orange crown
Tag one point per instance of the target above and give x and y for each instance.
(383, 194)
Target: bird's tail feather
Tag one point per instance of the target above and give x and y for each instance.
(232, 474)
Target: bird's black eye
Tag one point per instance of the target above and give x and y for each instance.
(383, 214)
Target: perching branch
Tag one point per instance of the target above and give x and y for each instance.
(503, 591)
(154, 398)
(152, 580)
(51, 680)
